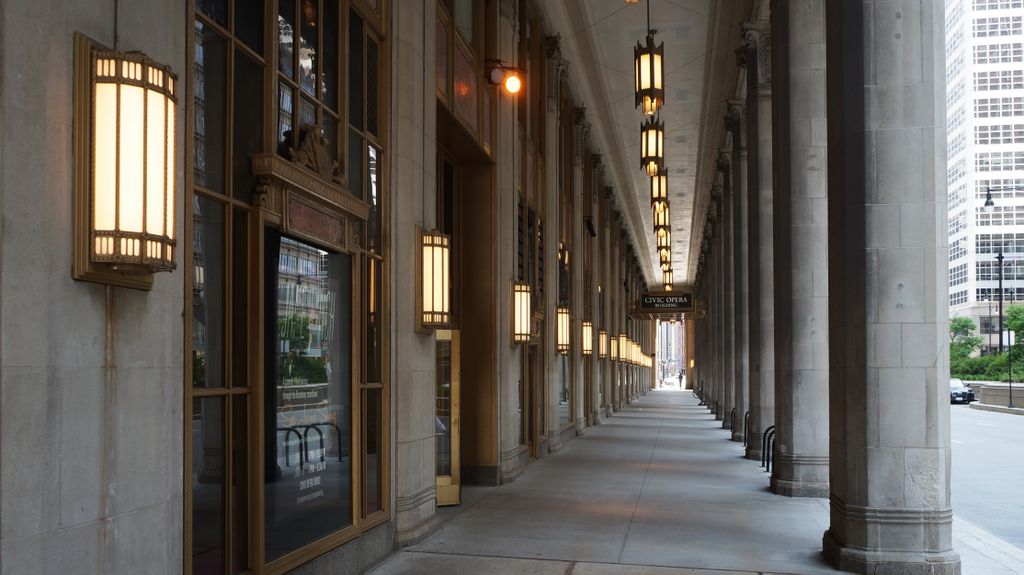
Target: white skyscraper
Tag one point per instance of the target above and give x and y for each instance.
(985, 123)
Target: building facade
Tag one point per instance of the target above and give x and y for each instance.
(985, 103)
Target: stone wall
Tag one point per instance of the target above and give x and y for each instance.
(90, 377)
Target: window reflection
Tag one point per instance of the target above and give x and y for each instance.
(309, 357)
(207, 485)
(207, 292)
(307, 50)
(564, 393)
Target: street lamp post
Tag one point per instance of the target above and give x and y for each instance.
(999, 258)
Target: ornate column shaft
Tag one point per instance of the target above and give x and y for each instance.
(741, 287)
(888, 291)
(801, 251)
(728, 288)
(754, 55)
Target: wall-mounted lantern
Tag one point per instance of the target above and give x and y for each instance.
(501, 74)
(602, 344)
(588, 338)
(652, 146)
(562, 341)
(125, 163)
(613, 353)
(520, 312)
(623, 348)
(434, 301)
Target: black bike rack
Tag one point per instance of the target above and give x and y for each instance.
(746, 427)
(764, 444)
(770, 450)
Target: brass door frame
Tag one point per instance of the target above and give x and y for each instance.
(449, 487)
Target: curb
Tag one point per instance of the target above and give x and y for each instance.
(998, 408)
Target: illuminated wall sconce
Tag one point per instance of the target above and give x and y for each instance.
(652, 146)
(125, 163)
(562, 338)
(521, 312)
(588, 338)
(613, 353)
(623, 347)
(434, 301)
(648, 74)
(691, 363)
(501, 74)
(602, 344)
(659, 186)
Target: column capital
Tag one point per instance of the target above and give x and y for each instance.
(736, 109)
(723, 162)
(757, 38)
(507, 10)
(553, 47)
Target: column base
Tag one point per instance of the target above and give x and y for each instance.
(797, 488)
(737, 435)
(800, 475)
(888, 562)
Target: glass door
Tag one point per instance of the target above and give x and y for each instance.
(446, 418)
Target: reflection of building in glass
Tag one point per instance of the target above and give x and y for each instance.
(305, 304)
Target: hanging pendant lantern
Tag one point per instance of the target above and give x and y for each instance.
(666, 278)
(652, 146)
(649, 75)
(664, 238)
(661, 216)
(659, 186)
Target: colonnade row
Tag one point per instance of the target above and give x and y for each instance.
(822, 269)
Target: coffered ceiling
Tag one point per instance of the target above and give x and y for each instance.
(700, 36)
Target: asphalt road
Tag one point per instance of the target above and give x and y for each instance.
(988, 471)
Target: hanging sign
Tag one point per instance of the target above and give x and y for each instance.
(665, 302)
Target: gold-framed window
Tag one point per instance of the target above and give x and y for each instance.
(287, 281)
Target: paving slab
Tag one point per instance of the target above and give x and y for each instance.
(657, 489)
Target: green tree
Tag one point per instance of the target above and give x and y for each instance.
(962, 341)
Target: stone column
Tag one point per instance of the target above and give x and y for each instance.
(728, 291)
(415, 126)
(553, 374)
(719, 301)
(741, 328)
(512, 452)
(754, 55)
(800, 250)
(888, 308)
(576, 237)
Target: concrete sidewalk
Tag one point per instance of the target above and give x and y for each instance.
(658, 489)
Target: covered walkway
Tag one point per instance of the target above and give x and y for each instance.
(658, 484)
